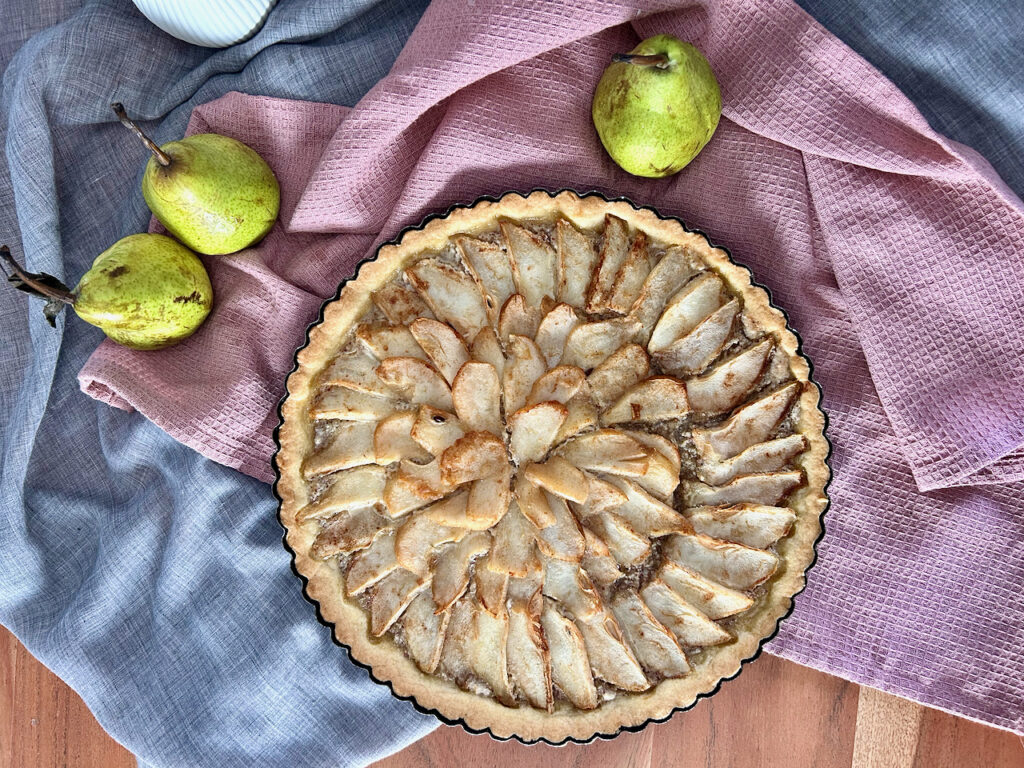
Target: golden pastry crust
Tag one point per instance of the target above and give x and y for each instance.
(350, 622)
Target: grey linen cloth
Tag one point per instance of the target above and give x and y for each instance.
(150, 578)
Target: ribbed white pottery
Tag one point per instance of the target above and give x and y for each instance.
(213, 23)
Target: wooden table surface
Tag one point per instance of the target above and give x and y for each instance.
(774, 714)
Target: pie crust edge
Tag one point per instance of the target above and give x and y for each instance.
(323, 582)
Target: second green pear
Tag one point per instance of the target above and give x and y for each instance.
(212, 192)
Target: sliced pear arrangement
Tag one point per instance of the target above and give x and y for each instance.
(212, 192)
(590, 473)
(145, 291)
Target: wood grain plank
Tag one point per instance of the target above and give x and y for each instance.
(774, 713)
(43, 723)
(892, 732)
(888, 730)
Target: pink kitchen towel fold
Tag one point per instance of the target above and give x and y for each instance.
(897, 253)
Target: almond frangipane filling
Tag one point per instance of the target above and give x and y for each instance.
(553, 464)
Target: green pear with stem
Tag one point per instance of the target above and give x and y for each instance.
(657, 106)
(144, 291)
(214, 193)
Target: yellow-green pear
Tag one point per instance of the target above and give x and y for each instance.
(144, 291)
(214, 193)
(656, 107)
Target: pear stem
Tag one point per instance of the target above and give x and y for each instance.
(659, 60)
(48, 291)
(161, 157)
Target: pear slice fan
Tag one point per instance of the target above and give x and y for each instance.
(552, 466)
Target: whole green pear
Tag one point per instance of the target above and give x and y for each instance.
(656, 107)
(144, 291)
(214, 193)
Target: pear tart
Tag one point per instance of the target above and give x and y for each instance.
(552, 466)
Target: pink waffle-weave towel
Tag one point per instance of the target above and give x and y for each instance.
(896, 252)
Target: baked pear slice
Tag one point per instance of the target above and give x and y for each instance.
(654, 646)
(644, 513)
(451, 294)
(576, 260)
(564, 538)
(723, 387)
(489, 265)
(351, 445)
(571, 588)
(356, 369)
(624, 368)
(627, 546)
(533, 263)
(400, 304)
(602, 496)
(413, 486)
(529, 662)
(383, 341)
(688, 307)
(659, 398)
(554, 330)
(755, 525)
(696, 350)
(416, 381)
(532, 502)
(514, 550)
(663, 465)
(610, 658)
(632, 275)
(614, 249)
(765, 488)
(476, 394)
(418, 537)
(451, 568)
(391, 596)
(598, 561)
(711, 598)
(533, 430)
(606, 450)
(590, 344)
(491, 586)
(348, 532)
(444, 347)
(489, 498)
(346, 404)
(732, 565)
(675, 268)
(435, 430)
(524, 366)
(759, 458)
(488, 652)
(472, 457)
(392, 440)
(518, 318)
(371, 564)
(349, 489)
(751, 424)
(691, 627)
(570, 665)
(558, 476)
(560, 385)
(487, 349)
(424, 629)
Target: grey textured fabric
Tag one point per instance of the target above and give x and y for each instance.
(149, 578)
